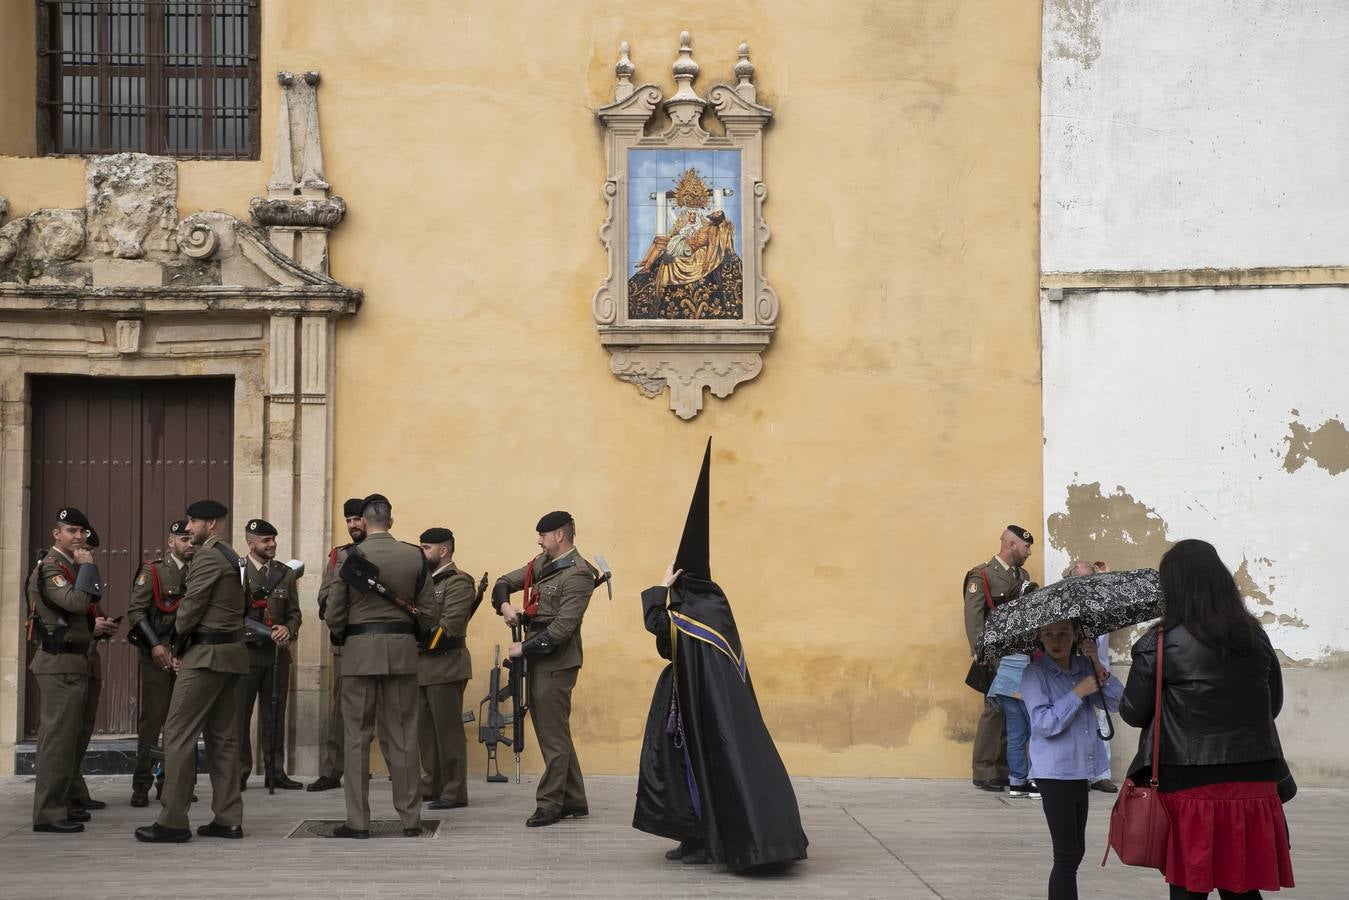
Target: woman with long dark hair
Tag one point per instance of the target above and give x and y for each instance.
(1220, 753)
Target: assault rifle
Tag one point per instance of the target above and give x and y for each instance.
(492, 722)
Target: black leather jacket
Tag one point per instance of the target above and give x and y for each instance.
(1215, 711)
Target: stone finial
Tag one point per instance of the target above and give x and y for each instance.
(744, 71)
(685, 69)
(624, 69)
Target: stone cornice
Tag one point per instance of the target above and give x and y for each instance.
(308, 300)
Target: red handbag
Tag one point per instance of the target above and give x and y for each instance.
(1139, 824)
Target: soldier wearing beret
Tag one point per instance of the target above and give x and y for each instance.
(557, 586)
(64, 622)
(155, 595)
(331, 760)
(212, 656)
(985, 587)
(90, 581)
(378, 631)
(274, 604)
(443, 669)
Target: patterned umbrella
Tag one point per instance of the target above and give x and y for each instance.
(1098, 603)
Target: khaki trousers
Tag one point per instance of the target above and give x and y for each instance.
(255, 688)
(156, 687)
(204, 702)
(990, 744)
(330, 764)
(392, 701)
(550, 707)
(61, 713)
(444, 749)
(78, 789)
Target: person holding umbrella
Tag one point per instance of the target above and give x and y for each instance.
(1065, 747)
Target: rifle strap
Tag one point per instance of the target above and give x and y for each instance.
(988, 593)
(531, 599)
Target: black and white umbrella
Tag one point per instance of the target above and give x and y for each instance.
(1099, 604)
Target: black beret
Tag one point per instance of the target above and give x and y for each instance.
(437, 536)
(260, 528)
(207, 509)
(72, 516)
(91, 539)
(375, 498)
(352, 507)
(179, 527)
(553, 521)
(1021, 533)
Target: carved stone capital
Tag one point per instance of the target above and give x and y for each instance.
(686, 372)
(299, 212)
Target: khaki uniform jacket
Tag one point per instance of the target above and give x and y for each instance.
(400, 567)
(74, 605)
(452, 596)
(563, 598)
(283, 606)
(172, 577)
(334, 564)
(215, 602)
(1002, 581)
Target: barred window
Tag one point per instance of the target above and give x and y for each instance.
(168, 77)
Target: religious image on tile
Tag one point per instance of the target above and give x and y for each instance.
(685, 261)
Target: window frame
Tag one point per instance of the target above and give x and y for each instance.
(154, 67)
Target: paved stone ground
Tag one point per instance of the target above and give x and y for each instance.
(869, 838)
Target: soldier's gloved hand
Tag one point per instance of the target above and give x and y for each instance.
(162, 657)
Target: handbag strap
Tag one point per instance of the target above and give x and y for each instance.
(1157, 713)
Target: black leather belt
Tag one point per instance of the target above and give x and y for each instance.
(74, 648)
(446, 644)
(382, 628)
(214, 637)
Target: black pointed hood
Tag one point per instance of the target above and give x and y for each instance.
(694, 555)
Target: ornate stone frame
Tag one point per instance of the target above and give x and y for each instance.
(122, 288)
(685, 356)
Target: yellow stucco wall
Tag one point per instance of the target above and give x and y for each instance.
(895, 427)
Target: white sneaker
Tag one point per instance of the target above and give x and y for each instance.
(1029, 789)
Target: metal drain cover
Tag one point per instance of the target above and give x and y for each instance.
(379, 828)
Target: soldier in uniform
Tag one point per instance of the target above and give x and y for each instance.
(443, 669)
(379, 669)
(986, 586)
(273, 601)
(158, 589)
(91, 582)
(557, 585)
(64, 623)
(330, 763)
(211, 652)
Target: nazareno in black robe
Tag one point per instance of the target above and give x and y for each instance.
(709, 771)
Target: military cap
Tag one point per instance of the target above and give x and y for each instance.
(91, 538)
(260, 528)
(375, 498)
(72, 516)
(179, 527)
(352, 507)
(437, 536)
(553, 521)
(1021, 533)
(207, 509)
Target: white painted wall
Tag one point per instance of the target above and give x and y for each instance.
(1184, 399)
(1186, 133)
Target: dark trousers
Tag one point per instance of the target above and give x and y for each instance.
(990, 744)
(1179, 893)
(78, 789)
(257, 686)
(1065, 804)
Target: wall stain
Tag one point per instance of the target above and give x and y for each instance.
(1115, 528)
(1075, 30)
(1327, 446)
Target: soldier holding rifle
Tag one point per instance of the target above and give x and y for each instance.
(557, 586)
(373, 611)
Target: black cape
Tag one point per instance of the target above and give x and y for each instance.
(709, 770)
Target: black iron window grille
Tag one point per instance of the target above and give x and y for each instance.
(168, 77)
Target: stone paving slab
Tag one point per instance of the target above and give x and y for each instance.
(884, 838)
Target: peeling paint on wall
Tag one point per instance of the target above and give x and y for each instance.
(1262, 597)
(1114, 527)
(1074, 28)
(1327, 446)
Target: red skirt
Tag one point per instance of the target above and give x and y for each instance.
(1230, 836)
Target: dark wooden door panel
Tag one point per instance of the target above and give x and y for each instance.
(130, 453)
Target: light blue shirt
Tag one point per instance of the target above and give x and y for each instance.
(1063, 739)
